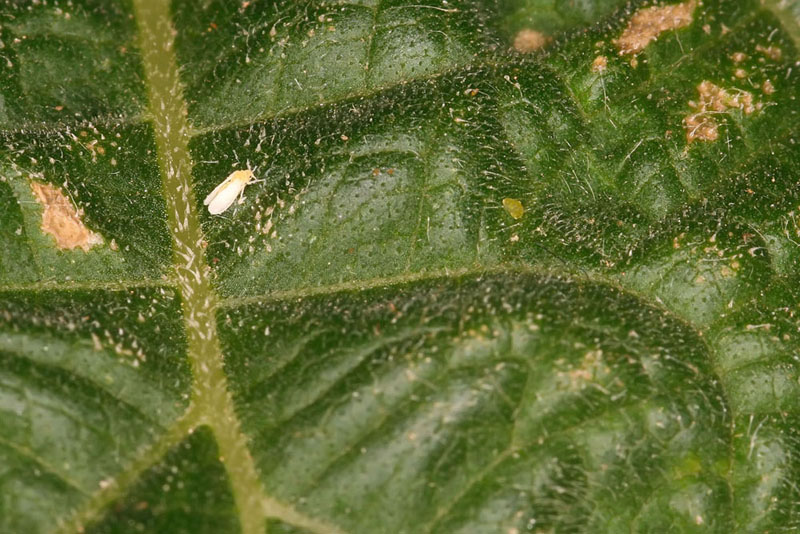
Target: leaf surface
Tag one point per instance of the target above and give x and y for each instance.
(497, 272)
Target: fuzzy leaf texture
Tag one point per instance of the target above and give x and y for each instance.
(504, 266)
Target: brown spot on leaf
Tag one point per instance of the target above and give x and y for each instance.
(772, 52)
(702, 124)
(528, 40)
(647, 24)
(738, 57)
(62, 220)
(600, 64)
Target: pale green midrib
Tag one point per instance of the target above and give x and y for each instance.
(211, 402)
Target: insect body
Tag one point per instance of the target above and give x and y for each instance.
(221, 198)
(513, 207)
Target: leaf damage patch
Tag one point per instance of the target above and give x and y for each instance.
(772, 52)
(600, 64)
(62, 220)
(527, 41)
(702, 124)
(647, 24)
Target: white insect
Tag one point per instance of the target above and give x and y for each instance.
(221, 198)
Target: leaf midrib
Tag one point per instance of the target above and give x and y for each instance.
(210, 398)
(211, 404)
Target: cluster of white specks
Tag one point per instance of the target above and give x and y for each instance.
(258, 223)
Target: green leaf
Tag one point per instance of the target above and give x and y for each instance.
(188, 492)
(507, 266)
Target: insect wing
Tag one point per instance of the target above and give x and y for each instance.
(213, 194)
(225, 193)
(225, 198)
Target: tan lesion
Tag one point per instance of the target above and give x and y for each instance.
(62, 220)
(529, 40)
(647, 24)
(702, 125)
(772, 52)
(600, 64)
